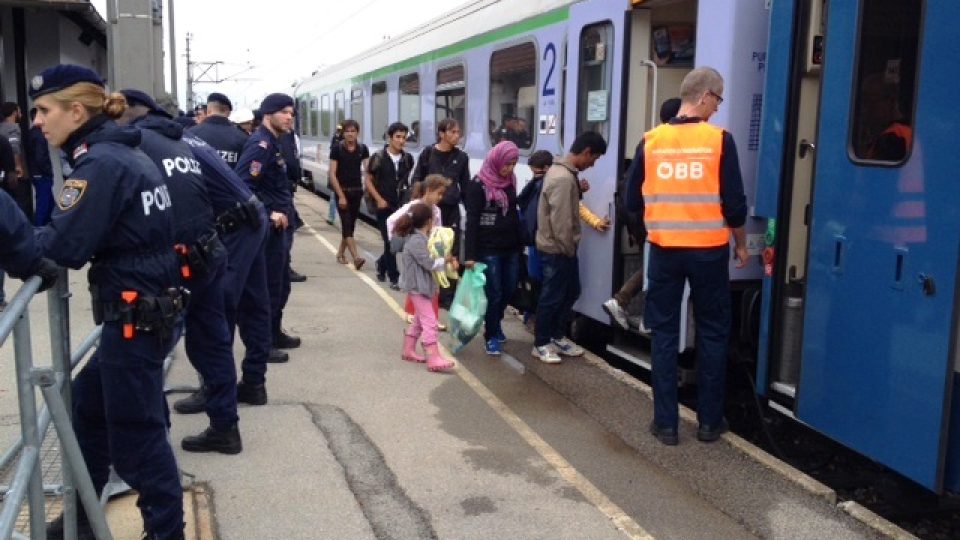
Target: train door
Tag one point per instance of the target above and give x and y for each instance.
(595, 37)
(881, 268)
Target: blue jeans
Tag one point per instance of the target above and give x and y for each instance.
(332, 207)
(387, 263)
(709, 276)
(561, 288)
(502, 273)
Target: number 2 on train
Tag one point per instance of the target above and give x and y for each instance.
(550, 50)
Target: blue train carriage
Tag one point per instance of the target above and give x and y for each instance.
(560, 68)
(858, 180)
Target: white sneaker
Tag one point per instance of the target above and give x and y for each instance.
(546, 354)
(567, 348)
(612, 307)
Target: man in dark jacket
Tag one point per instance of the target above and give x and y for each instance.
(387, 181)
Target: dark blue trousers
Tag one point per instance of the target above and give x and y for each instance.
(502, 273)
(119, 415)
(247, 297)
(209, 345)
(708, 272)
(43, 185)
(278, 275)
(561, 288)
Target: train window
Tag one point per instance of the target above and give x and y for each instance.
(885, 87)
(379, 118)
(325, 116)
(595, 79)
(303, 110)
(513, 94)
(410, 105)
(451, 97)
(340, 106)
(356, 105)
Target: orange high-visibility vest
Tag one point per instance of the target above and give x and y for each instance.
(681, 186)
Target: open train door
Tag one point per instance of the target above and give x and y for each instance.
(879, 322)
(595, 52)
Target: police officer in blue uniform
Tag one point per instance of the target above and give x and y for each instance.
(218, 131)
(262, 167)
(203, 265)
(114, 212)
(289, 149)
(243, 225)
(19, 253)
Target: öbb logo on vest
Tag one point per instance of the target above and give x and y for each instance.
(182, 165)
(159, 197)
(680, 170)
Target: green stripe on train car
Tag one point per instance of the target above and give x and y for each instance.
(551, 17)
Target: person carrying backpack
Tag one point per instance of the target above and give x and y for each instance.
(388, 173)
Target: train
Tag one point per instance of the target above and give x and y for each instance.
(841, 115)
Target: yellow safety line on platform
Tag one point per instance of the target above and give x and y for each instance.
(568, 472)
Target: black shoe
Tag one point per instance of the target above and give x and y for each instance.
(3, 304)
(277, 357)
(297, 277)
(381, 273)
(285, 341)
(394, 285)
(667, 436)
(709, 434)
(193, 404)
(214, 440)
(252, 394)
(84, 530)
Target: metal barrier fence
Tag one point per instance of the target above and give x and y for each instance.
(54, 385)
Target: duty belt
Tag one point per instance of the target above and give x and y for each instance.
(197, 258)
(149, 314)
(238, 216)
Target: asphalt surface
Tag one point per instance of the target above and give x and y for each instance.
(356, 443)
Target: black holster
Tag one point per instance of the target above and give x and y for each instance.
(242, 214)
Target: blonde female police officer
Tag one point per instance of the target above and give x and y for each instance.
(114, 211)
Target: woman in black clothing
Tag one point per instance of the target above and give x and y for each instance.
(347, 161)
(493, 235)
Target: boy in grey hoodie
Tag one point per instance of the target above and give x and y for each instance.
(558, 233)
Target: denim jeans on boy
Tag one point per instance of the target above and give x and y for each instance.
(387, 263)
(502, 273)
(561, 288)
(709, 276)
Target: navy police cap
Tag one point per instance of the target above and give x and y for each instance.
(275, 103)
(136, 97)
(61, 76)
(217, 97)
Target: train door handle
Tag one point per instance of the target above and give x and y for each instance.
(928, 283)
(806, 147)
(838, 253)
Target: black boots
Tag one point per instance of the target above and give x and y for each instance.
(282, 340)
(252, 394)
(277, 357)
(84, 531)
(193, 404)
(214, 440)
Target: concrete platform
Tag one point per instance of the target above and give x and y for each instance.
(356, 443)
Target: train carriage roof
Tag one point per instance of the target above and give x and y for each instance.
(454, 27)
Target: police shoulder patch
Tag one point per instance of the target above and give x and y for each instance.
(255, 168)
(71, 193)
(264, 144)
(79, 151)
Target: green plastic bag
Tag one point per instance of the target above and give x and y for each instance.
(468, 308)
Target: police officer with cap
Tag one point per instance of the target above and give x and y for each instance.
(263, 168)
(203, 265)
(19, 253)
(114, 212)
(218, 131)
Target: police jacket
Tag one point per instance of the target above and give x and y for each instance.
(223, 136)
(263, 169)
(19, 254)
(161, 141)
(114, 209)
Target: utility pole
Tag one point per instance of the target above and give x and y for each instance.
(173, 55)
(189, 74)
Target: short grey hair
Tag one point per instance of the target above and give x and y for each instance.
(698, 82)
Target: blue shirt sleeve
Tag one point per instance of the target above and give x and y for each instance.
(732, 200)
(633, 197)
(18, 250)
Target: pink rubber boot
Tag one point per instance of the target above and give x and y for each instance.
(436, 361)
(410, 350)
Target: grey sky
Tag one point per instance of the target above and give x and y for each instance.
(284, 40)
